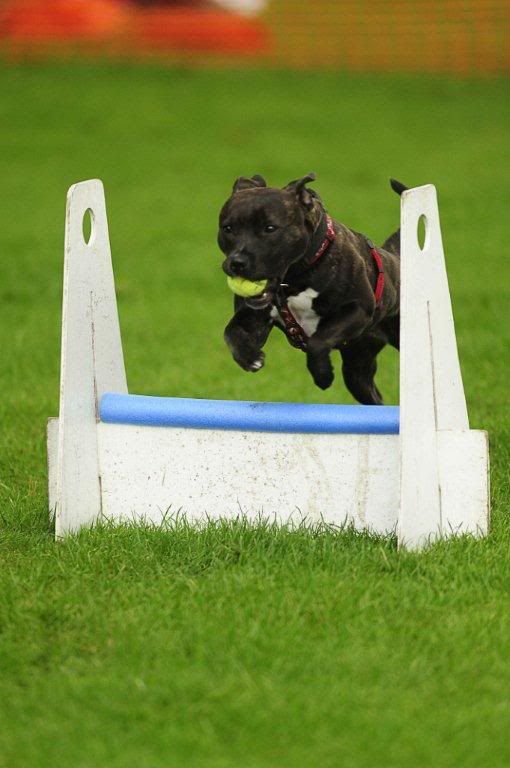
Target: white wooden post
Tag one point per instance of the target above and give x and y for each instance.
(91, 357)
(433, 414)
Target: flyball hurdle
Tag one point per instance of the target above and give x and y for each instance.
(417, 469)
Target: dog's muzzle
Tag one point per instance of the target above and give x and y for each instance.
(264, 299)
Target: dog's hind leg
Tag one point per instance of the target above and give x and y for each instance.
(391, 327)
(359, 368)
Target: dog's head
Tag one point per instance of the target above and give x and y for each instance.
(264, 230)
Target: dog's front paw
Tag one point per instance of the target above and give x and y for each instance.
(257, 364)
(324, 379)
(251, 363)
(322, 371)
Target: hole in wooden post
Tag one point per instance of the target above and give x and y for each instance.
(88, 226)
(422, 231)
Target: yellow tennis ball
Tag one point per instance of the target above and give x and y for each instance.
(246, 288)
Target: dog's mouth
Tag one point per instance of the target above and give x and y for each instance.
(260, 302)
(266, 298)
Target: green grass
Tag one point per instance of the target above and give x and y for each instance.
(237, 646)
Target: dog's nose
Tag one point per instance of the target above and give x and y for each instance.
(238, 263)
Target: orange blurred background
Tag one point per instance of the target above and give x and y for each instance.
(461, 37)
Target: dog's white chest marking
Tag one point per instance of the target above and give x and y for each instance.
(301, 308)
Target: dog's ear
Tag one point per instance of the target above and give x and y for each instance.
(243, 183)
(306, 196)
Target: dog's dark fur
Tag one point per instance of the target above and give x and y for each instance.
(273, 234)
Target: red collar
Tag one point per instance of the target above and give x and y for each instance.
(328, 238)
(294, 332)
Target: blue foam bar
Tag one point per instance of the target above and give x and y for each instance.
(249, 416)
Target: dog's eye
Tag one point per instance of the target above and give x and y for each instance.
(270, 228)
(227, 228)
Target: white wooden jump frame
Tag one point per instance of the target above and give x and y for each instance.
(119, 457)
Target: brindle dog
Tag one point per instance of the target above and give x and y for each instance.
(275, 235)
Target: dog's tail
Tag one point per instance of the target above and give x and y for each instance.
(397, 186)
(392, 244)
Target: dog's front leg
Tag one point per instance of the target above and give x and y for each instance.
(246, 334)
(329, 334)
